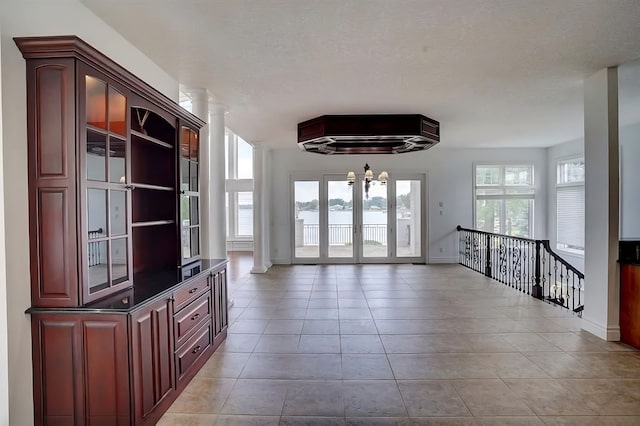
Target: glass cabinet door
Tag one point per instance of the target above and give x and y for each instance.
(108, 253)
(189, 195)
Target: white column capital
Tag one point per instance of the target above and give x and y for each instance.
(216, 106)
(194, 92)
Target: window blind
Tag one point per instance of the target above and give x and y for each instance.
(570, 216)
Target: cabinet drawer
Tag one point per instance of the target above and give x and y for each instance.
(191, 317)
(189, 291)
(192, 350)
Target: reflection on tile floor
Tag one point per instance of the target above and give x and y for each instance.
(404, 344)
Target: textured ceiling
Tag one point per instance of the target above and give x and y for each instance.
(495, 73)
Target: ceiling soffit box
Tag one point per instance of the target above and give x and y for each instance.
(368, 134)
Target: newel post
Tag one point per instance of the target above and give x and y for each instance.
(487, 267)
(536, 291)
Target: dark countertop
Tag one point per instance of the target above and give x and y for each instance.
(629, 252)
(147, 287)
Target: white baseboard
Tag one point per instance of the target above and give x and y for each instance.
(239, 245)
(280, 261)
(443, 260)
(610, 333)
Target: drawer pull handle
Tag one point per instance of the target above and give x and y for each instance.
(195, 317)
(193, 290)
(196, 349)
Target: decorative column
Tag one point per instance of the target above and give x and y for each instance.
(266, 209)
(415, 229)
(4, 327)
(601, 296)
(217, 232)
(260, 239)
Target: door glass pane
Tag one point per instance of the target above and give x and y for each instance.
(96, 102)
(185, 210)
(193, 147)
(408, 215)
(184, 165)
(195, 241)
(340, 235)
(488, 215)
(117, 112)
(193, 176)
(374, 221)
(245, 214)
(118, 210)
(97, 212)
(307, 237)
(185, 143)
(97, 261)
(116, 160)
(186, 243)
(96, 156)
(185, 221)
(193, 210)
(119, 260)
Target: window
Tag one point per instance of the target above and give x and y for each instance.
(185, 101)
(504, 199)
(244, 210)
(245, 160)
(570, 205)
(239, 187)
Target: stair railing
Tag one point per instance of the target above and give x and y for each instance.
(527, 265)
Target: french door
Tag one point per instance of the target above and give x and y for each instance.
(337, 223)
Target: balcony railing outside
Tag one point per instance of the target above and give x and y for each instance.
(527, 265)
(343, 234)
(95, 257)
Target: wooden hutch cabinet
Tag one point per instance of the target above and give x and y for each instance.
(124, 310)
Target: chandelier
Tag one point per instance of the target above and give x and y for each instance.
(368, 178)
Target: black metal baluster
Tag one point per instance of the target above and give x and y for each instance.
(527, 265)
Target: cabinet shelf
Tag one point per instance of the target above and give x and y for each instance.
(153, 164)
(98, 129)
(149, 206)
(152, 223)
(150, 139)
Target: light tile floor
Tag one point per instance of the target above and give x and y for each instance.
(405, 344)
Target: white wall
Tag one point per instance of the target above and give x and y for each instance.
(629, 179)
(629, 111)
(4, 350)
(555, 153)
(449, 180)
(42, 18)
